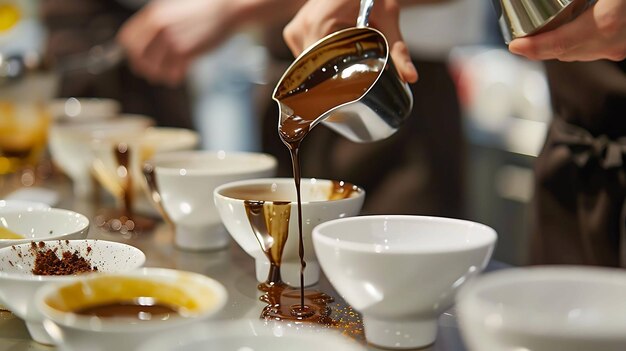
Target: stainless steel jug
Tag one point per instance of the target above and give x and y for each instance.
(520, 18)
(380, 111)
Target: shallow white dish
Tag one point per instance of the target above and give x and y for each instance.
(43, 224)
(572, 308)
(201, 296)
(252, 335)
(18, 284)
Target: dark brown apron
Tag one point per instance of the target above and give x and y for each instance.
(580, 192)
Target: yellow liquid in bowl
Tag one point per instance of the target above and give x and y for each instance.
(7, 234)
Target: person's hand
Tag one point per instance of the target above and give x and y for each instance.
(164, 37)
(598, 33)
(318, 18)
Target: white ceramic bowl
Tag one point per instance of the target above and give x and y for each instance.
(18, 284)
(548, 308)
(79, 110)
(43, 224)
(401, 272)
(70, 146)
(202, 296)
(186, 181)
(316, 209)
(252, 335)
(142, 146)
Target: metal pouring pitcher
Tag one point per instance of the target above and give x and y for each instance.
(379, 111)
(520, 18)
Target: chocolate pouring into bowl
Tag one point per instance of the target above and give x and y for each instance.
(261, 216)
(347, 81)
(19, 283)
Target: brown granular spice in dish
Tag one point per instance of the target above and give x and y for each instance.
(48, 263)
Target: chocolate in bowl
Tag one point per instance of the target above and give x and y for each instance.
(18, 284)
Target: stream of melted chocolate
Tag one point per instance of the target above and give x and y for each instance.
(269, 220)
(310, 101)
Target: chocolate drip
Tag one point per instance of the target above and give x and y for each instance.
(270, 224)
(337, 82)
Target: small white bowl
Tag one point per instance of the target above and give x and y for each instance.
(141, 147)
(547, 308)
(70, 146)
(18, 284)
(186, 179)
(200, 296)
(401, 272)
(248, 335)
(43, 224)
(316, 208)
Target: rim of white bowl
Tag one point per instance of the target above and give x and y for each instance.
(63, 213)
(268, 162)
(488, 233)
(79, 322)
(60, 278)
(205, 333)
(266, 181)
(106, 139)
(113, 125)
(21, 205)
(100, 108)
(518, 317)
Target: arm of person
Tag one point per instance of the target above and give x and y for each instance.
(318, 18)
(598, 33)
(165, 36)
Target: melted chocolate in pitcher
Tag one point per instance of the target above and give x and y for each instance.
(339, 81)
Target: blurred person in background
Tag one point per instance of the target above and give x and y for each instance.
(580, 174)
(75, 26)
(166, 41)
(161, 39)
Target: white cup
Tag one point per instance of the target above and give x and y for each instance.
(401, 272)
(317, 207)
(70, 146)
(185, 182)
(140, 146)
